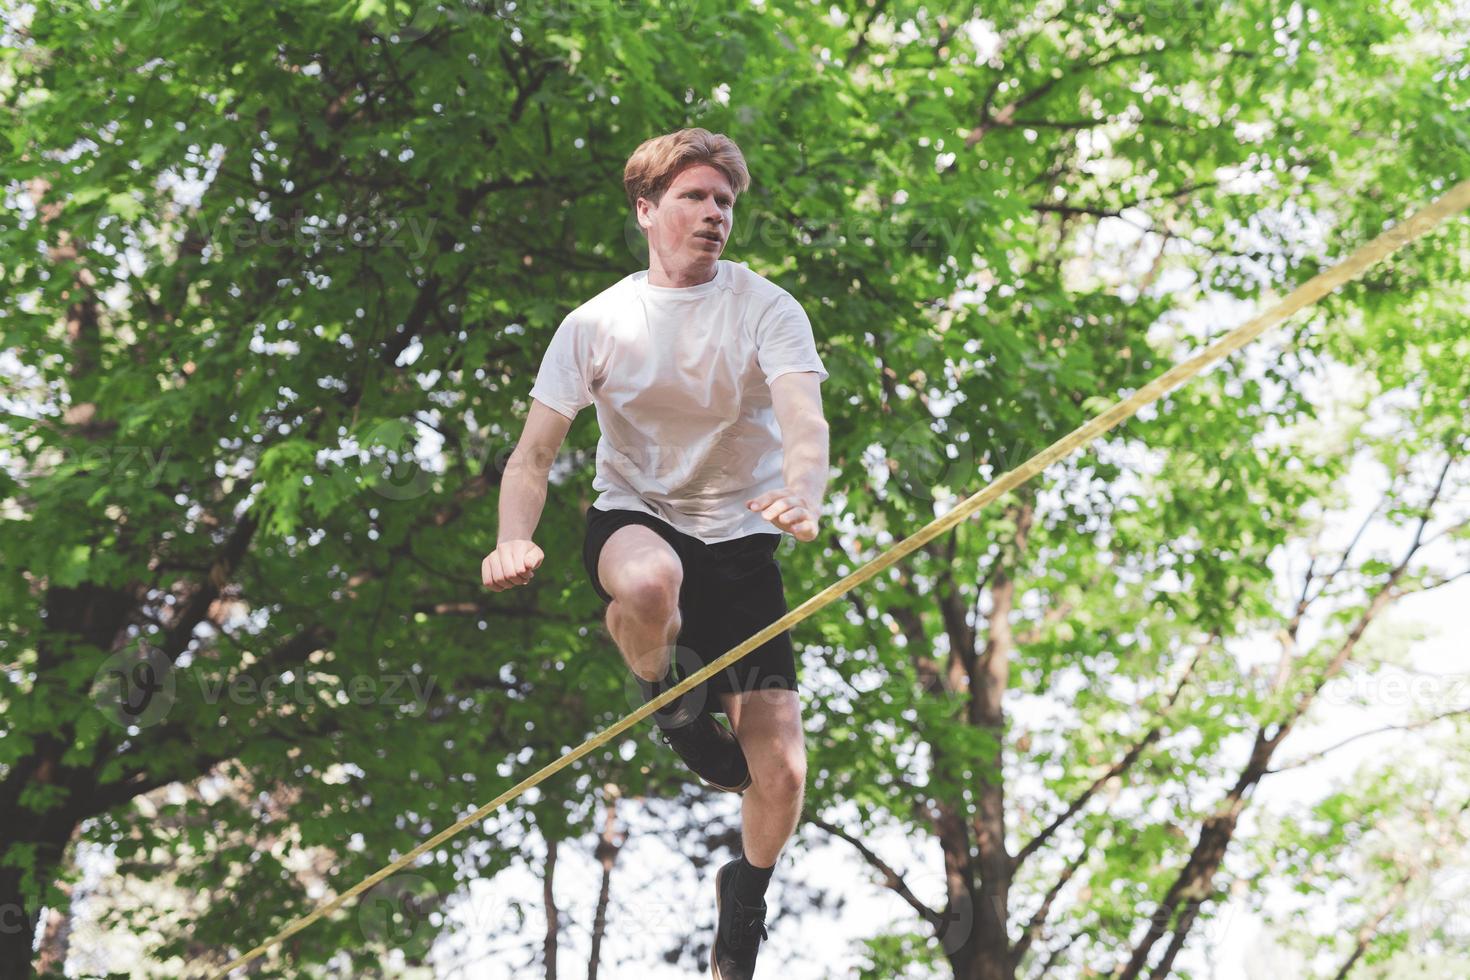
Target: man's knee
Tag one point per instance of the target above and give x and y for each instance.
(781, 773)
(650, 594)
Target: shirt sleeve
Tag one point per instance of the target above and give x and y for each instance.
(784, 341)
(562, 383)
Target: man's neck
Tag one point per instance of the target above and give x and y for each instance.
(683, 278)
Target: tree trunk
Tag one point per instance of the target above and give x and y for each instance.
(36, 834)
(552, 916)
(974, 931)
(45, 837)
(987, 691)
(607, 855)
(56, 937)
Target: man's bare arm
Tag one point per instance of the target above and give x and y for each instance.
(523, 484)
(523, 497)
(797, 399)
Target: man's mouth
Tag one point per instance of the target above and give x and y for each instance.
(710, 236)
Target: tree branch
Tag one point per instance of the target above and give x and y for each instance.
(194, 608)
(1038, 920)
(1369, 929)
(1117, 768)
(1193, 886)
(891, 878)
(1411, 726)
(1005, 116)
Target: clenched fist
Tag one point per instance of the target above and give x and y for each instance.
(512, 563)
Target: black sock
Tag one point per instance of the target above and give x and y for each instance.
(751, 882)
(678, 712)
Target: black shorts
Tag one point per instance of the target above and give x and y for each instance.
(731, 591)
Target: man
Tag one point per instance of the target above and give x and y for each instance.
(706, 381)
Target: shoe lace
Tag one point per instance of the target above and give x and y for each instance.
(746, 921)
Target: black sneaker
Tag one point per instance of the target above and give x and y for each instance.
(739, 930)
(711, 752)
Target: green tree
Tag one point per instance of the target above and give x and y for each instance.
(1116, 591)
(277, 278)
(254, 256)
(1385, 853)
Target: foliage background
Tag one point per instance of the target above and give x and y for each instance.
(276, 279)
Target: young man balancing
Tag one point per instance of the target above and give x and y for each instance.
(705, 378)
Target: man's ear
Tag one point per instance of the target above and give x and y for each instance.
(642, 208)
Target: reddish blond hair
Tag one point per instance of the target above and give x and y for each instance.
(657, 161)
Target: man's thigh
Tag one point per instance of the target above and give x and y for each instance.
(635, 556)
(770, 717)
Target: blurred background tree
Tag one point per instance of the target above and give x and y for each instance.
(276, 281)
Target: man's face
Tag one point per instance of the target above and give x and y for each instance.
(688, 228)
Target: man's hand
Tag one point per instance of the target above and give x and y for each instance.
(789, 510)
(512, 563)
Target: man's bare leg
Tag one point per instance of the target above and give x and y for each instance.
(644, 638)
(768, 725)
(643, 575)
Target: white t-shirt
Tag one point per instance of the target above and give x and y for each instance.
(681, 379)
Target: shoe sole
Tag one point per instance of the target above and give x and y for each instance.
(714, 965)
(737, 790)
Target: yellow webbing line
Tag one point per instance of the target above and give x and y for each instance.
(1454, 201)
